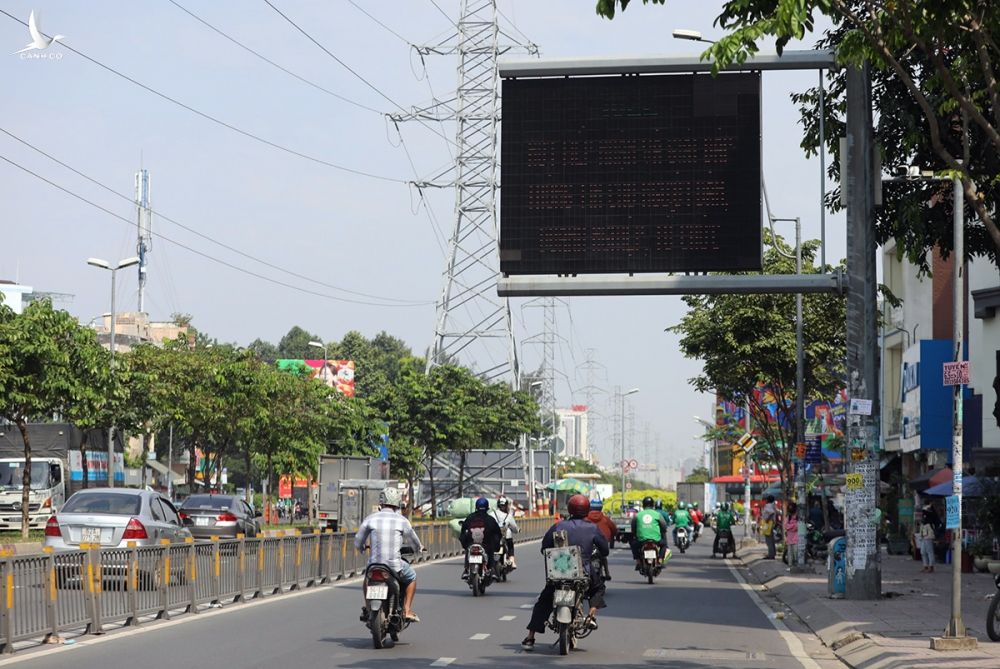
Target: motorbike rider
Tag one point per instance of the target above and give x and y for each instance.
(723, 524)
(588, 537)
(648, 526)
(681, 519)
(606, 526)
(663, 512)
(697, 520)
(480, 527)
(505, 519)
(389, 530)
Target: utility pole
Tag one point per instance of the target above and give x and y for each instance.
(864, 571)
(144, 221)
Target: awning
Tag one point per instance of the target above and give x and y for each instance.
(971, 487)
(931, 478)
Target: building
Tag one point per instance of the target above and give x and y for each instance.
(14, 295)
(573, 432)
(984, 358)
(133, 328)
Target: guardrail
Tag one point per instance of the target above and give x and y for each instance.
(84, 591)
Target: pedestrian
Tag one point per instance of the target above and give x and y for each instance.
(927, 533)
(791, 554)
(768, 517)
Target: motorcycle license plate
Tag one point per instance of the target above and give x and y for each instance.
(475, 559)
(649, 555)
(377, 592)
(563, 598)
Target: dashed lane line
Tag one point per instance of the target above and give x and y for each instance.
(507, 618)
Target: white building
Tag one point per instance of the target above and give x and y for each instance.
(13, 295)
(573, 431)
(984, 347)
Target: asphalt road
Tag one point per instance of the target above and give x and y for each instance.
(696, 615)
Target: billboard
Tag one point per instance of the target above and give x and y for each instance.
(623, 174)
(337, 374)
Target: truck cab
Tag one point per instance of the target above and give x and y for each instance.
(48, 491)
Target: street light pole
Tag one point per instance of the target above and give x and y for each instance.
(316, 344)
(104, 264)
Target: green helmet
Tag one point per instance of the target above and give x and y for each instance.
(695, 505)
(725, 506)
(682, 505)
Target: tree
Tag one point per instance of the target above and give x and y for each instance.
(747, 344)
(698, 475)
(936, 92)
(295, 345)
(48, 363)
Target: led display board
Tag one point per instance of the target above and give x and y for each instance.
(630, 174)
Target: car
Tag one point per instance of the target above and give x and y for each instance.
(223, 516)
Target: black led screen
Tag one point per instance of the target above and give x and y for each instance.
(622, 174)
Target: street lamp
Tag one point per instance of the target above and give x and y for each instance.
(104, 264)
(691, 35)
(623, 395)
(317, 344)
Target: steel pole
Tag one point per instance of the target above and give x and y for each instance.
(800, 479)
(955, 627)
(111, 427)
(621, 407)
(748, 468)
(170, 465)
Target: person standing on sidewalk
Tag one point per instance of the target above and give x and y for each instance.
(768, 518)
(791, 554)
(927, 533)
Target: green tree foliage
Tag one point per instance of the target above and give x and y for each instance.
(48, 364)
(935, 90)
(698, 475)
(744, 340)
(295, 345)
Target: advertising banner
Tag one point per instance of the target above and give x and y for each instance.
(337, 374)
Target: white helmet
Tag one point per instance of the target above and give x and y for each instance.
(389, 497)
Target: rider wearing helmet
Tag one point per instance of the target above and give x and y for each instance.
(508, 526)
(681, 518)
(585, 535)
(389, 531)
(723, 524)
(605, 526)
(648, 525)
(480, 527)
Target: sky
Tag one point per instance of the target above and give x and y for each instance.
(341, 250)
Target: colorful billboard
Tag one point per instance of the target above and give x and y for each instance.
(337, 374)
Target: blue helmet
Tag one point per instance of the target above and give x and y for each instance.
(482, 504)
(596, 505)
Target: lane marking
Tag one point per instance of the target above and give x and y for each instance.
(508, 618)
(795, 647)
(442, 661)
(527, 606)
(479, 636)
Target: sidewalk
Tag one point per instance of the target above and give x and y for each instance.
(891, 633)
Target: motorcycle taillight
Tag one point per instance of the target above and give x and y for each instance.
(476, 550)
(377, 575)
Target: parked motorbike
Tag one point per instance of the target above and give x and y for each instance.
(816, 544)
(993, 613)
(479, 575)
(568, 619)
(501, 563)
(726, 543)
(682, 540)
(384, 596)
(650, 566)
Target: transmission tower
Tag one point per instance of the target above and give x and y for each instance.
(144, 225)
(594, 417)
(469, 310)
(547, 339)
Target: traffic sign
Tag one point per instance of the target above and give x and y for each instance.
(632, 464)
(628, 485)
(624, 464)
(746, 442)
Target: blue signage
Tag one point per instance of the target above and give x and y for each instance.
(814, 450)
(954, 512)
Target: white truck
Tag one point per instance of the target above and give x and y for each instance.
(47, 493)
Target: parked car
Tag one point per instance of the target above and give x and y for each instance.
(222, 516)
(112, 517)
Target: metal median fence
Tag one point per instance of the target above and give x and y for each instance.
(84, 591)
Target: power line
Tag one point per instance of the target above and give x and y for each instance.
(207, 237)
(271, 62)
(215, 120)
(190, 249)
(365, 12)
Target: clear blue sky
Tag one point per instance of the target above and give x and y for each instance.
(349, 231)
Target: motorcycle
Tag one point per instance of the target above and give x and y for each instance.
(479, 575)
(816, 544)
(385, 602)
(695, 532)
(993, 613)
(650, 566)
(725, 543)
(568, 620)
(682, 540)
(501, 563)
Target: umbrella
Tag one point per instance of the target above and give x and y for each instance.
(570, 485)
(931, 479)
(970, 488)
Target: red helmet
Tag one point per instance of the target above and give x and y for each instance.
(578, 506)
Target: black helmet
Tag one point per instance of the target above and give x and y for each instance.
(659, 504)
(647, 502)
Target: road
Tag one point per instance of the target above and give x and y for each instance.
(697, 615)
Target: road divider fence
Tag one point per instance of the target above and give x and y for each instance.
(84, 591)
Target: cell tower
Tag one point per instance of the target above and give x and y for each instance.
(144, 225)
(469, 310)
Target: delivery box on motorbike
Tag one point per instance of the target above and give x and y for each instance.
(564, 563)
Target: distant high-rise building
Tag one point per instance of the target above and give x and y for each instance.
(573, 431)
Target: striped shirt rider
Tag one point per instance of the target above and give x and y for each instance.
(389, 530)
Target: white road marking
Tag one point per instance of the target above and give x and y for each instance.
(442, 661)
(479, 637)
(792, 640)
(508, 618)
(527, 606)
